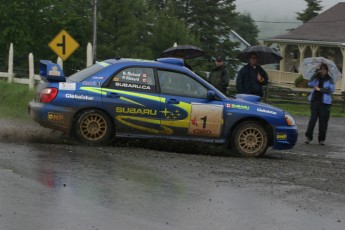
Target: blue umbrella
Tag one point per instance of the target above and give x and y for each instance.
(311, 66)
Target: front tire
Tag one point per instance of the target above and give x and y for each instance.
(93, 127)
(250, 139)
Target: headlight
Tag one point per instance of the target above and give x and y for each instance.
(290, 120)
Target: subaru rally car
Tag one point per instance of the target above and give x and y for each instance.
(156, 99)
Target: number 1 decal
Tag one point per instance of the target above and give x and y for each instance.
(206, 120)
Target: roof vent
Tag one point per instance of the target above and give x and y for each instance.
(171, 61)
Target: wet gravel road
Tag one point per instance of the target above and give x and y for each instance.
(48, 182)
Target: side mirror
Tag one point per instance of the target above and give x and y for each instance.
(211, 95)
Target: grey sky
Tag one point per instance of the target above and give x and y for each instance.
(276, 10)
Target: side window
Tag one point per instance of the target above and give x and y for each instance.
(134, 78)
(181, 85)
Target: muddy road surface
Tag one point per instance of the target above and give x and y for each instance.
(50, 182)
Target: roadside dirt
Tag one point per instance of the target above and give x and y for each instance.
(319, 167)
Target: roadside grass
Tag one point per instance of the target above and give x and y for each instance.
(14, 99)
(303, 109)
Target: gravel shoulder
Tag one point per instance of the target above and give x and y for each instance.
(181, 185)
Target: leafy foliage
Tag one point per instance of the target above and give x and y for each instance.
(312, 10)
(244, 25)
(300, 82)
(132, 28)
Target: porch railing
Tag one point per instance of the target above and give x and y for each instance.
(289, 78)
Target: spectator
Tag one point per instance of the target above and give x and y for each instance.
(219, 76)
(320, 103)
(251, 77)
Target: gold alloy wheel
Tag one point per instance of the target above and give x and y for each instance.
(93, 127)
(251, 140)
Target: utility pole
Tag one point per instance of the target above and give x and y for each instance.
(94, 39)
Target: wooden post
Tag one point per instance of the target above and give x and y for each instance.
(31, 71)
(314, 49)
(282, 48)
(342, 87)
(89, 60)
(302, 49)
(10, 64)
(60, 62)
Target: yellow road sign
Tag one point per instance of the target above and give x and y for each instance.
(63, 45)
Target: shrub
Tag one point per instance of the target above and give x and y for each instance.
(300, 82)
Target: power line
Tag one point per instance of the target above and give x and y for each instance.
(248, 2)
(281, 22)
(278, 22)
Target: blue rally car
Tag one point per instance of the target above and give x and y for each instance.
(156, 99)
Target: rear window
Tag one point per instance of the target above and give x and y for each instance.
(85, 73)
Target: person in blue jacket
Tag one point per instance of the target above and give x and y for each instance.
(251, 77)
(320, 103)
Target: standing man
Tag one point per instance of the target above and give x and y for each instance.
(219, 76)
(251, 77)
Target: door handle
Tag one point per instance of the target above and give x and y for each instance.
(173, 101)
(113, 95)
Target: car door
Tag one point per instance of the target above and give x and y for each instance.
(185, 110)
(132, 98)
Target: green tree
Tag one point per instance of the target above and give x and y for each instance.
(30, 25)
(124, 29)
(211, 21)
(167, 28)
(245, 26)
(312, 10)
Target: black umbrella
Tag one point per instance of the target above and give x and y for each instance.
(183, 51)
(266, 55)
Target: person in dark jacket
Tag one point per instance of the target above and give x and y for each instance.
(251, 77)
(219, 76)
(320, 103)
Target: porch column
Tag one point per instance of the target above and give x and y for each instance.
(267, 43)
(314, 49)
(342, 87)
(302, 49)
(282, 48)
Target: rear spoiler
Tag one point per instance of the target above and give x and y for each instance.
(51, 72)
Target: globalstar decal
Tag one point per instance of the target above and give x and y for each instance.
(79, 97)
(235, 106)
(266, 111)
(133, 86)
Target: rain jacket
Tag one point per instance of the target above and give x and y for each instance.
(327, 90)
(219, 78)
(247, 82)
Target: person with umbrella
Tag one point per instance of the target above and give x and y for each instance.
(251, 77)
(184, 52)
(320, 103)
(219, 76)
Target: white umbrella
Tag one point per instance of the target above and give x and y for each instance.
(311, 65)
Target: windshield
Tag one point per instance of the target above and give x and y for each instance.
(85, 73)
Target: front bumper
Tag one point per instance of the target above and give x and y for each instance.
(51, 116)
(285, 137)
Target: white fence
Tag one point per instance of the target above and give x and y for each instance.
(289, 78)
(32, 78)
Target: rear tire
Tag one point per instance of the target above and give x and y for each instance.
(93, 127)
(250, 139)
